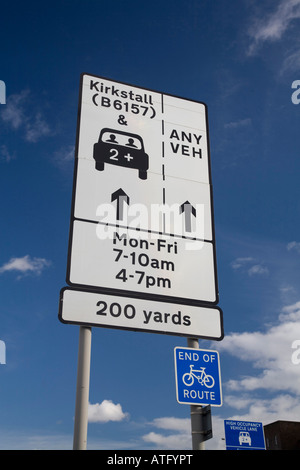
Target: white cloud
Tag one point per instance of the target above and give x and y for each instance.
(13, 113)
(64, 155)
(293, 246)
(249, 265)
(272, 391)
(238, 402)
(25, 265)
(291, 63)
(238, 124)
(180, 438)
(257, 269)
(171, 423)
(290, 312)
(287, 289)
(5, 154)
(173, 441)
(273, 27)
(18, 116)
(36, 129)
(105, 411)
(240, 262)
(281, 407)
(270, 352)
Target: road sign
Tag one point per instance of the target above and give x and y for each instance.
(198, 376)
(142, 219)
(244, 435)
(135, 263)
(94, 308)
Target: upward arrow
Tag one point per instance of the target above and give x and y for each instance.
(121, 198)
(188, 211)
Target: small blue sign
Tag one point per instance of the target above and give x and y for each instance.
(198, 377)
(244, 435)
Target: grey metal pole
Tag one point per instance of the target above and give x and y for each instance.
(82, 388)
(196, 415)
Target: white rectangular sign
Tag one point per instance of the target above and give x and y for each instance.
(136, 262)
(97, 309)
(142, 220)
(151, 146)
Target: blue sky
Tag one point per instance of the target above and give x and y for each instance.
(240, 58)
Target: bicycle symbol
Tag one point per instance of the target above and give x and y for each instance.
(203, 379)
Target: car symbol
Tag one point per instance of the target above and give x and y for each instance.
(244, 438)
(122, 149)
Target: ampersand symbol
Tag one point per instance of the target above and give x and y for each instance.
(121, 120)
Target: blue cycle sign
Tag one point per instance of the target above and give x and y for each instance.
(198, 378)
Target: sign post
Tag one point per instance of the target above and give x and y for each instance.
(82, 389)
(196, 410)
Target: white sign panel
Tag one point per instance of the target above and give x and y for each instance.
(133, 261)
(81, 307)
(142, 219)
